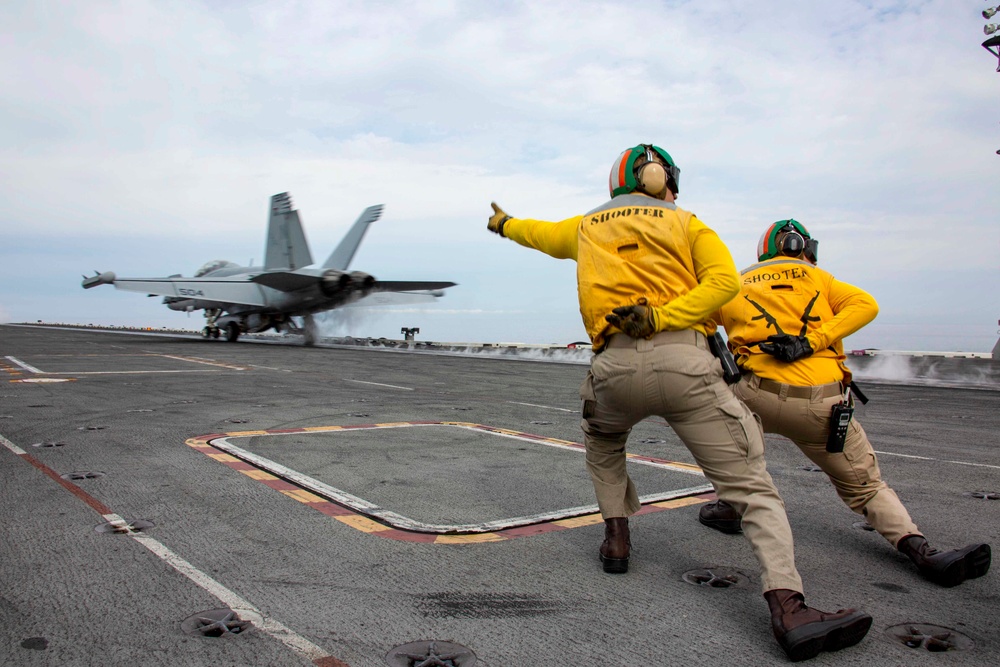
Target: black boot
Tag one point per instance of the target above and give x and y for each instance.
(617, 546)
(946, 568)
(722, 516)
(803, 632)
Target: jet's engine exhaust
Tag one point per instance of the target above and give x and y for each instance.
(362, 281)
(333, 283)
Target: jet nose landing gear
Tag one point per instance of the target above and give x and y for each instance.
(211, 329)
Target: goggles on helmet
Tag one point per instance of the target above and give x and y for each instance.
(789, 238)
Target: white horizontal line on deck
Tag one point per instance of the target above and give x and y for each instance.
(547, 407)
(380, 384)
(927, 458)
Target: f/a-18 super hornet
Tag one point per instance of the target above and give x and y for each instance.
(250, 299)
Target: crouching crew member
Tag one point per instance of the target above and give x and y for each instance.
(786, 329)
(649, 277)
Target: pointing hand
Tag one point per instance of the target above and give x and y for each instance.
(497, 220)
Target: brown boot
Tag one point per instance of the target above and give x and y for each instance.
(946, 568)
(722, 516)
(615, 550)
(804, 632)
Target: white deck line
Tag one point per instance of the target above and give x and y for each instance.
(927, 458)
(401, 522)
(547, 407)
(198, 370)
(198, 360)
(27, 367)
(272, 627)
(380, 384)
(275, 629)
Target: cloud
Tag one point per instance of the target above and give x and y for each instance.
(142, 126)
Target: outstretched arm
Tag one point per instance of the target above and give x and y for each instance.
(557, 239)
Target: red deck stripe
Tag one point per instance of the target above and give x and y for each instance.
(91, 501)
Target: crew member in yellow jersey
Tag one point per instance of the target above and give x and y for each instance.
(649, 276)
(786, 329)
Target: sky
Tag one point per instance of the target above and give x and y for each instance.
(147, 138)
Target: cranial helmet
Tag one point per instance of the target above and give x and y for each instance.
(645, 168)
(789, 238)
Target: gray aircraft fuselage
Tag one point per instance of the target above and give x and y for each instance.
(239, 299)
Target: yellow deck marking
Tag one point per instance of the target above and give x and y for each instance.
(469, 539)
(409, 532)
(580, 521)
(680, 502)
(303, 496)
(258, 474)
(363, 523)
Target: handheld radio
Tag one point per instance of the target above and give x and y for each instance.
(840, 421)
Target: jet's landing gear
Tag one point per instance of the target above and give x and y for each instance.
(211, 317)
(310, 331)
(232, 332)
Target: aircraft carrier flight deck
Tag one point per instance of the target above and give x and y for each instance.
(169, 500)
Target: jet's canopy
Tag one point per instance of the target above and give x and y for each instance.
(212, 266)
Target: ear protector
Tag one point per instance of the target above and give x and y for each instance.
(653, 176)
(794, 241)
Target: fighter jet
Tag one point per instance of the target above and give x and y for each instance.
(243, 299)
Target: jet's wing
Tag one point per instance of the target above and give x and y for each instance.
(409, 285)
(401, 292)
(222, 290)
(393, 299)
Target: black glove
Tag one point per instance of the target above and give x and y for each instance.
(635, 321)
(785, 347)
(497, 220)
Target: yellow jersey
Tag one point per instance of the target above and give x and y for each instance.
(795, 297)
(637, 249)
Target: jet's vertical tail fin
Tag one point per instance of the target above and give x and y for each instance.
(287, 247)
(342, 255)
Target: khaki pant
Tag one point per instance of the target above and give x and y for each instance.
(675, 377)
(802, 414)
